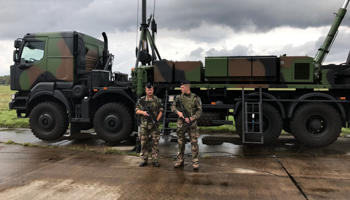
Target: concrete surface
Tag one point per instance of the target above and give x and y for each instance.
(228, 170)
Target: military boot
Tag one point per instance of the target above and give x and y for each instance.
(156, 164)
(195, 166)
(144, 163)
(178, 164)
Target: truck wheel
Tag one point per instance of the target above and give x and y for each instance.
(272, 125)
(112, 122)
(316, 125)
(48, 121)
(207, 117)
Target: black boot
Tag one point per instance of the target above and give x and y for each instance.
(144, 163)
(156, 164)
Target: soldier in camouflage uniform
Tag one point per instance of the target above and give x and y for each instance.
(192, 103)
(154, 104)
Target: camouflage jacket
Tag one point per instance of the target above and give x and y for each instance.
(192, 103)
(155, 106)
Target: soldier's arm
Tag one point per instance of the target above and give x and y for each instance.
(139, 110)
(198, 106)
(174, 107)
(160, 109)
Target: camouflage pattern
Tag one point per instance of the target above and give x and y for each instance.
(57, 62)
(192, 103)
(148, 128)
(264, 66)
(190, 70)
(241, 66)
(163, 71)
(290, 68)
(144, 134)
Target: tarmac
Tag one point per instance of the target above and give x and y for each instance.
(79, 169)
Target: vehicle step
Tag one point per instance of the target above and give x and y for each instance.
(20, 108)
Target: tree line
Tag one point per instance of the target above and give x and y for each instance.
(5, 80)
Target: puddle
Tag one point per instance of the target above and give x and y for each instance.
(244, 171)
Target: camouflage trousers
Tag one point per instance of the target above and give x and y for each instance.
(144, 143)
(181, 142)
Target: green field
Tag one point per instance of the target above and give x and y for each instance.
(8, 118)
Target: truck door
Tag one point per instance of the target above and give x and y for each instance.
(32, 65)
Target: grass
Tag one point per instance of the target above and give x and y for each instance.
(10, 142)
(8, 118)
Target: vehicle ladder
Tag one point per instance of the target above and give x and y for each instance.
(166, 112)
(252, 123)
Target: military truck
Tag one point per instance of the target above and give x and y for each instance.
(266, 93)
(65, 78)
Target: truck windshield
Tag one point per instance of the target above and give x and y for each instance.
(32, 52)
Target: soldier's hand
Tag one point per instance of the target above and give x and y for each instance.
(187, 120)
(145, 113)
(181, 115)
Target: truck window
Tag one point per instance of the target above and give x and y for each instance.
(32, 52)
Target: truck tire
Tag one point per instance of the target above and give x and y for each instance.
(207, 117)
(272, 125)
(112, 122)
(316, 124)
(48, 121)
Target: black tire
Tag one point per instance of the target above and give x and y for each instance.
(48, 121)
(207, 117)
(112, 122)
(272, 125)
(316, 125)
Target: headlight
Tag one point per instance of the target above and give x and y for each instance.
(13, 97)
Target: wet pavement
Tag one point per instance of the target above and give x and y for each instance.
(228, 170)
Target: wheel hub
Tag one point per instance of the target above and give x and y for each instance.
(112, 122)
(315, 124)
(45, 121)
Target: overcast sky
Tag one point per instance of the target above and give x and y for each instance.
(187, 29)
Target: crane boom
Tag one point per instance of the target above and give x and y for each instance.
(324, 49)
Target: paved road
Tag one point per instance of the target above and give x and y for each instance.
(229, 170)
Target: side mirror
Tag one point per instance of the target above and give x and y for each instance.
(16, 56)
(17, 43)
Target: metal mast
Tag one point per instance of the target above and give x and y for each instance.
(324, 49)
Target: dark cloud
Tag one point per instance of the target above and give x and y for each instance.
(95, 16)
(262, 15)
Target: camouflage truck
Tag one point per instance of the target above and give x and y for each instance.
(65, 78)
(265, 94)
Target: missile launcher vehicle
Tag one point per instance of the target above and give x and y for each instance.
(66, 78)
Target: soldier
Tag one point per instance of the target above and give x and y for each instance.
(154, 105)
(193, 105)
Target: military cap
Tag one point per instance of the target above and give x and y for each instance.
(149, 85)
(184, 82)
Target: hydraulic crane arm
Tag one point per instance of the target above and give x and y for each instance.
(323, 51)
